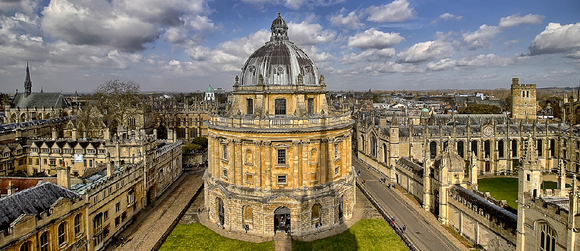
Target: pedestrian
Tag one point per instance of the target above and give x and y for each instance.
(358, 173)
(246, 227)
(393, 219)
(122, 240)
(198, 210)
(403, 228)
(364, 182)
(286, 229)
(318, 227)
(394, 185)
(389, 185)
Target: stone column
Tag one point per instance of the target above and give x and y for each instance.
(237, 162)
(299, 162)
(268, 165)
(258, 162)
(323, 161)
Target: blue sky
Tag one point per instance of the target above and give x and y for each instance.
(186, 45)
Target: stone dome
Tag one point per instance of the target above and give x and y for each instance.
(279, 62)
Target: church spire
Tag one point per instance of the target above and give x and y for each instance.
(27, 82)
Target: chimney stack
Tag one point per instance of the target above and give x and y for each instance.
(11, 189)
(110, 166)
(63, 177)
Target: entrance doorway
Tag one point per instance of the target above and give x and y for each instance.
(282, 219)
(487, 167)
(221, 211)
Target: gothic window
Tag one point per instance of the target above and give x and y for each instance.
(487, 146)
(44, 242)
(460, 149)
(280, 106)
(552, 148)
(27, 246)
(374, 146)
(540, 148)
(62, 233)
(249, 106)
(474, 147)
(547, 238)
(500, 149)
(362, 139)
(281, 156)
(433, 149)
(310, 106)
(514, 148)
(385, 153)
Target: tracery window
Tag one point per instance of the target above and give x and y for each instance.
(547, 238)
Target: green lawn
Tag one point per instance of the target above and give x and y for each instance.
(198, 237)
(506, 188)
(367, 234)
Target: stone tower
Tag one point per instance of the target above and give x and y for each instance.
(529, 181)
(523, 106)
(280, 158)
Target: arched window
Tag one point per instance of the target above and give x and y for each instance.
(313, 155)
(77, 223)
(500, 149)
(514, 148)
(547, 237)
(316, 212)
(460, 149)
(247, 215)
(61, 233)
(374, 146)
(385, 153)
(474, 148)
(433, 149)
(44, 242)
(540, 148)
(362, 139)
(26, 246)
(487, 147)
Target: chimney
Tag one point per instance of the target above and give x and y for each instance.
(63, 177)
(74, 134)
(11, 189)
(110, 166)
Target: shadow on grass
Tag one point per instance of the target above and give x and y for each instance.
(367, 234)
(198, 237)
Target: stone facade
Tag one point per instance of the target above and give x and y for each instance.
(523, 106)
(279, 159)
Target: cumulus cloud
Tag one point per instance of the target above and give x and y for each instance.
(397, 11)
(425, 51)
(442, 64)
(309, 34)
(350, 21)
(516, 20)
(486, 60)
(482, 37)
(447, 17)
(374, 39)
(371, 55)
(556, 38)
(293, 4)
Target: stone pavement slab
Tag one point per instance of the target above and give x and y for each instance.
(156, 222)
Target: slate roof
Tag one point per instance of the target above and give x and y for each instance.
(493, 209)
(41, 99)
(33, 201)
(474, 119)
(22, 183)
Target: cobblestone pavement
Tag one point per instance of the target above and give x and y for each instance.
(155, 220)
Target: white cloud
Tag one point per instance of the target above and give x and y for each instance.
(371, 55)
(350, 21)
(516, 20)
(293, 4)
(441, 64)
(374, 39)
(486, 60)
(556, 38)
(395, 11)
(309, 34)
(447, 17)
(425, 51)
(482, 37)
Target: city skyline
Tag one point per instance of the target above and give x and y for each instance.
(186, 45)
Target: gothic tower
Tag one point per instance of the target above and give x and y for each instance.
(529, 181)
(27, 82)
(280, 157)
(523, 104)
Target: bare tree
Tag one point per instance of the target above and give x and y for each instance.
(117, 100)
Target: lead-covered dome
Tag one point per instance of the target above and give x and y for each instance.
(279, 62)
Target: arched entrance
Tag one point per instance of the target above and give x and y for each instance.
(221, 211)
(282, 219)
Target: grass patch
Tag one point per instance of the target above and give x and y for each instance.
(367, 234)
(198, 237)
(507, 188)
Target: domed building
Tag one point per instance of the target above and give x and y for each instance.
(280, 157)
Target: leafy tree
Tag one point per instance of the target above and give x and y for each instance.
(481, 109)
(202, 141)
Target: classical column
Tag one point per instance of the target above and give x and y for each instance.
(296, 157)
(237, 162)
(258, 162)
(323, 161)
(268, 165)
(304, 164)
